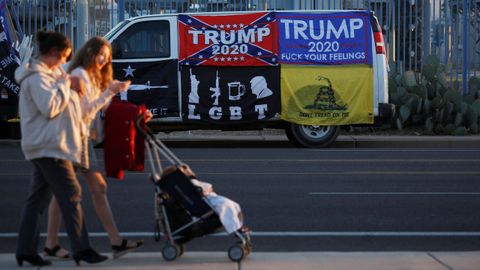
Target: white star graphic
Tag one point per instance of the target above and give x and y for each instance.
(200, 56)
(255, 26)
(268, 18)
(235, 26)
(203, 28)
(274, 59)
(215, 59)
(242, 58)
(228, 25)
(214, 26)
(221, 25)
(128, 71)
(189, 21)
(259, 53)
(242, 25)
(235, 58)
(229, 59)
(222, 59)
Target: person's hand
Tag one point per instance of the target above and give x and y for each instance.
(117, 86)
(148, 115)
(24, 49)
(77, 85)
(208, 190)
(66, 80)
(61, 76)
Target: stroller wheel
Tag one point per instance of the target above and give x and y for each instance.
(236, 253)
(169, 252)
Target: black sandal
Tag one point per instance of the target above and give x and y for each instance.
(120, 250)
(54, 252)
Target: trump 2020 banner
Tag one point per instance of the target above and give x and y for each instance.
(230, 95)
(320, 95)
(228, 39)
(340, 38)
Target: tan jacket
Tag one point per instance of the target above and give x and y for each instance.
(50, 114)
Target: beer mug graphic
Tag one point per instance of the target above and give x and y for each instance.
(235, 90)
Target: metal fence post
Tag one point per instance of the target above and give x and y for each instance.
(82, 22)
(121, 10)
(465, 39)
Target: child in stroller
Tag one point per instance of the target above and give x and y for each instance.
(190, 208)
(228, 211)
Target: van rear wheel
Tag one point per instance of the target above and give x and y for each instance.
(312, 136)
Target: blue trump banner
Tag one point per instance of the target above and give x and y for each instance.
(8, 59)
(337, 38)
(3, 20)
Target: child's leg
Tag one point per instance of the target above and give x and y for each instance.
(228, 211)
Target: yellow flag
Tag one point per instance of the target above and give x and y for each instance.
(327, 95)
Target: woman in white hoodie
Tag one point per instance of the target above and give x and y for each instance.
(93, 65)
(50, 114)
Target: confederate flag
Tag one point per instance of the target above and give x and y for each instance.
(228, 39)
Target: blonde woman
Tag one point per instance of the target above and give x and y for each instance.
(93, 64)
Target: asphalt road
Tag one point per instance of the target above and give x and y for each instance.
(299, 199)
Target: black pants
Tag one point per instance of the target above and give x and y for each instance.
(57, 176)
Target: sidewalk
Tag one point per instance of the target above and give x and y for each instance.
(282, 261)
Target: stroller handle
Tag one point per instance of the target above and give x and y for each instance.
(154, 142)
(139, 128)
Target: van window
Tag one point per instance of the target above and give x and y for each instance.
(143, 40)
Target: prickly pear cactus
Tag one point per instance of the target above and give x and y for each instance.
(430, 100)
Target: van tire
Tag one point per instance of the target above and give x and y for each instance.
(311, 136)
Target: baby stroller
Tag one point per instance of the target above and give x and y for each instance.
(181, 211)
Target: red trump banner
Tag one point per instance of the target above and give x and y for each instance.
(228, 40)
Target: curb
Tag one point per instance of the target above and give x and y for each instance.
(182, 140)
(344, 141)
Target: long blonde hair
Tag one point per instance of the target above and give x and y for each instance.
(85, 58)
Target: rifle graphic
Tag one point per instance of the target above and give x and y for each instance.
(146, 86)
(216, 89)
